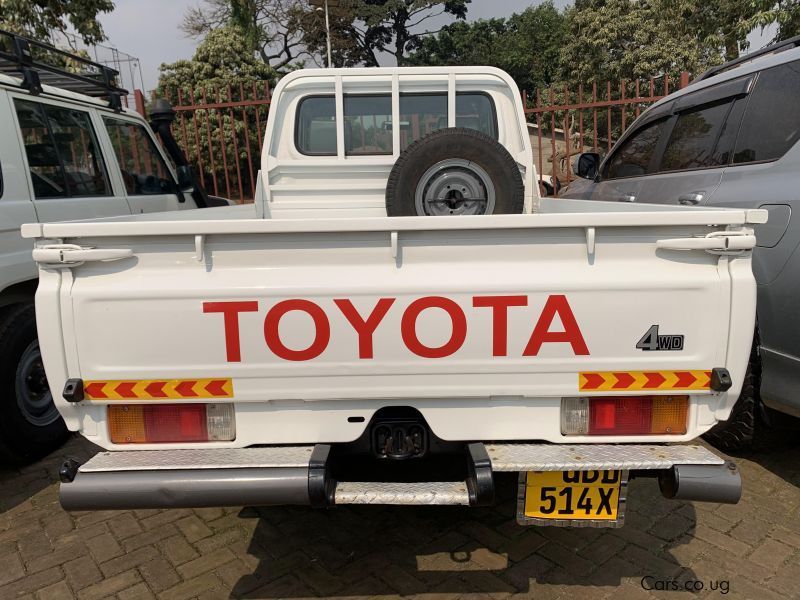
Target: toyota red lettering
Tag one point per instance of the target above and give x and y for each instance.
(366, 322)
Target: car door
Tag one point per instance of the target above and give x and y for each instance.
(678, 151)
(697, 144)
(68, 174)
(765, 173)
(624, 170)
(149, 181)
(16, 206)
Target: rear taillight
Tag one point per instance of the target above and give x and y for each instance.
(624, 415)
(163, 423)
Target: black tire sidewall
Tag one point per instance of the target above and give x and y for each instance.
(21, 440)
(454, 143)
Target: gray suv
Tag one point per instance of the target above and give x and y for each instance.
(729, 139)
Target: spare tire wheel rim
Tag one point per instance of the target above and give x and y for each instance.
(455, 187)
(33, 394)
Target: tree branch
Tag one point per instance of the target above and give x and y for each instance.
(410, 25)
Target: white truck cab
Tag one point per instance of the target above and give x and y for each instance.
(398, 319)
(68, 151)
(332, 134)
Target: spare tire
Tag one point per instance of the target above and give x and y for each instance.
(455, 171)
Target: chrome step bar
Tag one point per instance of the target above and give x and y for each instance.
(299, 475)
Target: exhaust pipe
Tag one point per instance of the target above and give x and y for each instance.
(702, 483)
(303, 481)
(186, 488)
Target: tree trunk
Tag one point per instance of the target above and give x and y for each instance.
(400, 36)
(731, 48)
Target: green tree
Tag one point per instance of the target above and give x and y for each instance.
(273, 29)
(223, 69)
(393, 25)
(784, 13)
(287, 32)
(611, 40)
(526, 45)
(40, 18)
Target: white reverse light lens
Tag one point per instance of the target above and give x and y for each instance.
(574, 416)
(221, 422)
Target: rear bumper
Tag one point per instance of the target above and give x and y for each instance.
(299, 475)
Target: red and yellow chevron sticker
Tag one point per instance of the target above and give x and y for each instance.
(627, 381)
(158, 389)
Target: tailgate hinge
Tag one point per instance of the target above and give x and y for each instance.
(71, 255)
(718, 242)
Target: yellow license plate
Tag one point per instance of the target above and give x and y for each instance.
(572, 494)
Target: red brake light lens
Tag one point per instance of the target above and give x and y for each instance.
(621, 416)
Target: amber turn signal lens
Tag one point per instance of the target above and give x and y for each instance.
(669, 414)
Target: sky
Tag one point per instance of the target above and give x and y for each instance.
(149, 29)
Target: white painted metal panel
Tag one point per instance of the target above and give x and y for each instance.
(143, 317)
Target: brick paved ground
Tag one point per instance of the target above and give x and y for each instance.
(436, 553)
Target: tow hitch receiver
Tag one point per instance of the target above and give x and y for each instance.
(399, 439)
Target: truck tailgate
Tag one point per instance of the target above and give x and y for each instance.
(488, 314)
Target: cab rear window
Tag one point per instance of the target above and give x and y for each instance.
(368, 120)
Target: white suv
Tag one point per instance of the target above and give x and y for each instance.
(67, 151)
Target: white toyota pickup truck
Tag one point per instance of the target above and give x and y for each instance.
(398, 318)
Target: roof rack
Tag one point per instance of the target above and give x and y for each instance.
(768, 49)
(37, 64)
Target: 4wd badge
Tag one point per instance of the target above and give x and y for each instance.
(652, 341)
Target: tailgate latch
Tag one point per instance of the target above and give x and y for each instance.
(72, 255)
(717, 242)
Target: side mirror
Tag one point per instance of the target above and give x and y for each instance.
(586, 165)
(185, 178)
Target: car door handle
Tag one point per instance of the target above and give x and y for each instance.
(692, 198)
(626, 198)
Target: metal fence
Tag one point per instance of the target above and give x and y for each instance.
(222, 129)
(563, 123)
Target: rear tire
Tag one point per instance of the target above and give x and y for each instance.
(746, 428)
(738, 432)
(30, 426)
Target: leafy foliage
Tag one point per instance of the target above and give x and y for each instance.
(39, 18)
(526, 45)
(784, 13)
(272, 29)
(391, 25)
(223, 69)
(625, 39)
(286, 33)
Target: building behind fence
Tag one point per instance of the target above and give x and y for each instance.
(221, 130)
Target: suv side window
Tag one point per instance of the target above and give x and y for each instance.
(693, 143)
(144, 171)
(633, 158)
(771, 123)
(63, 155)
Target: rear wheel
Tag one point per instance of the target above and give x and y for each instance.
(737, 433)
(30, 425)
(746, 428)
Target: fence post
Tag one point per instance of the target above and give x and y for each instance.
(138, 97)
(684, 79)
